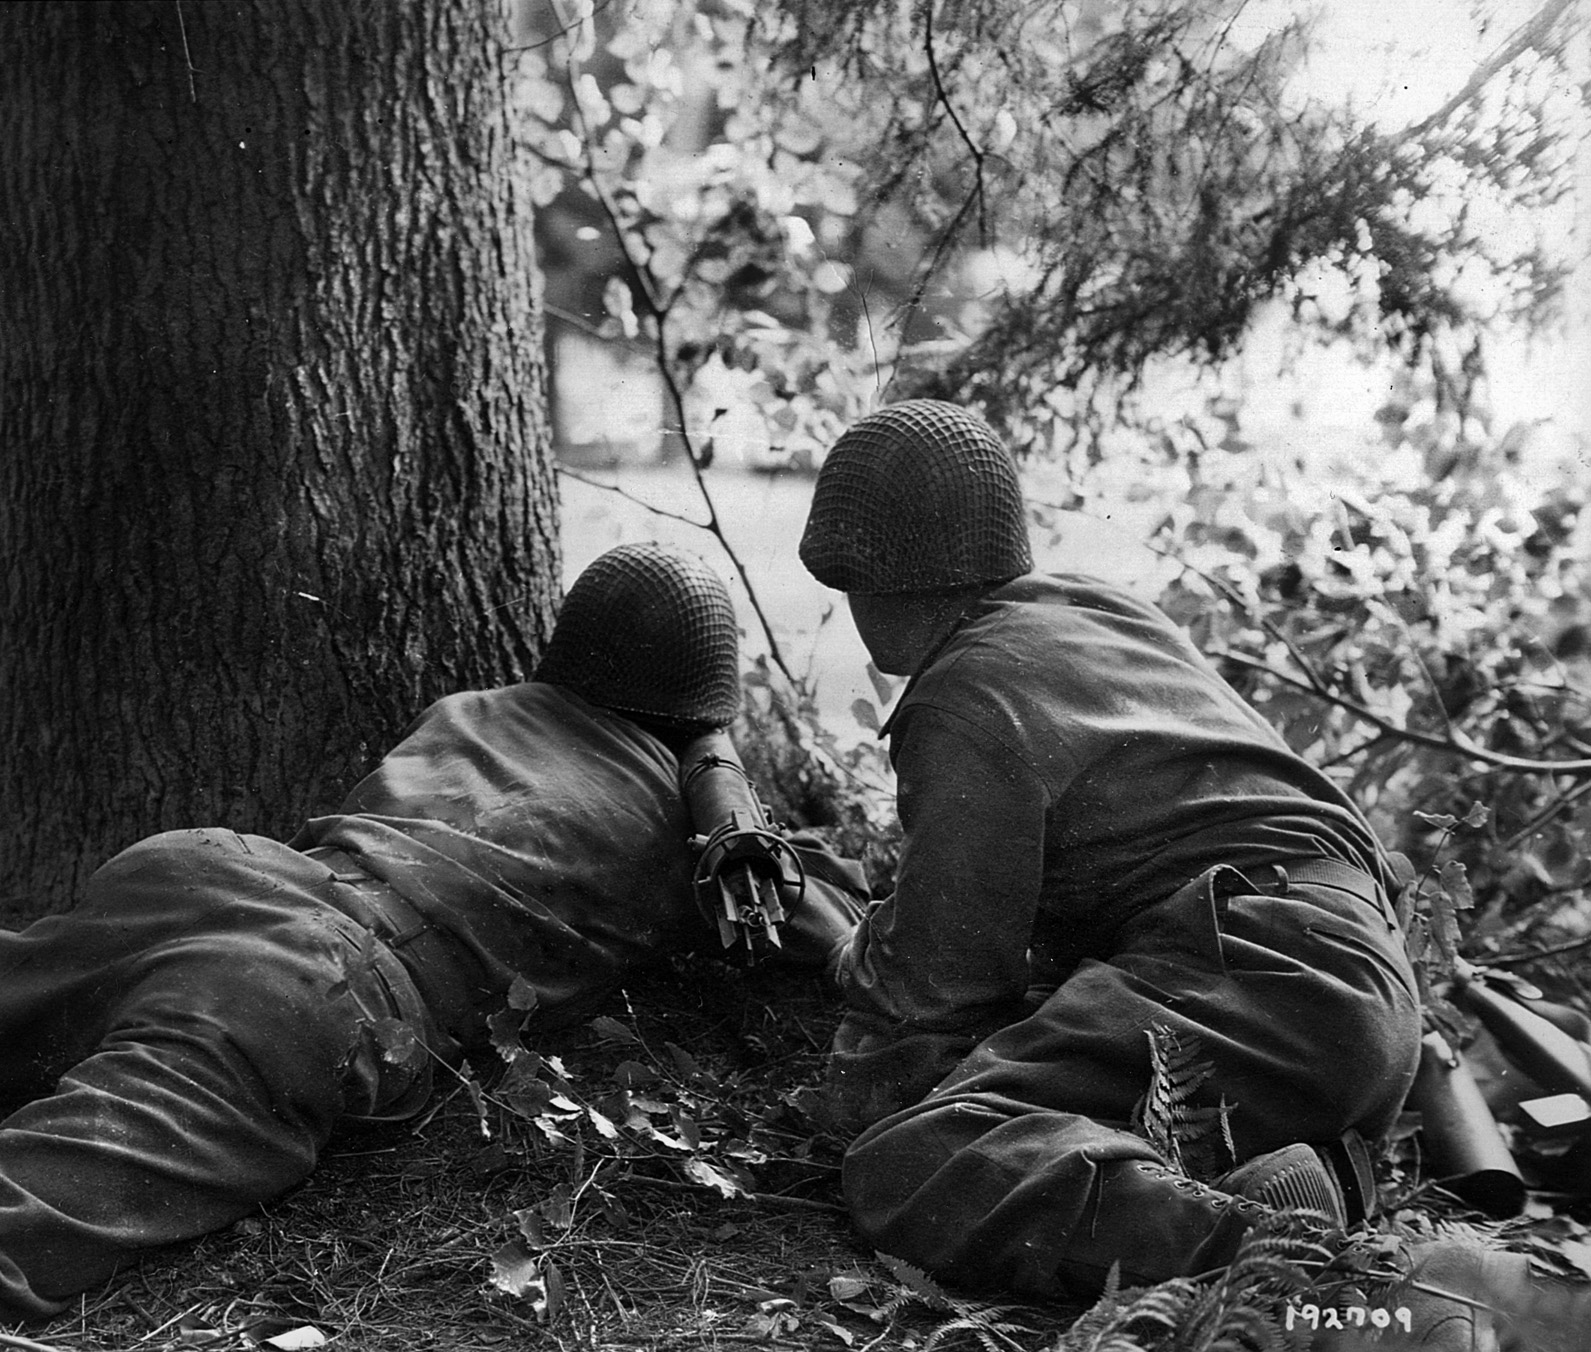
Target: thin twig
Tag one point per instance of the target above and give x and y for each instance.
(632, 497)
(640, 269)
(1552, 810)
(1535, 954)
(1455, 746)
(872, 341)
(1529, 34)
(1232, 595)
(181, 1315)
(27, 1344)
(569, 24)
(569, 317)
(977, 152)
(768, 1199)
(187, 56)
(941, 248)
(677, 397)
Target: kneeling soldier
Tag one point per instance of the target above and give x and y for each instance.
(175, 1051)
(1103, 844)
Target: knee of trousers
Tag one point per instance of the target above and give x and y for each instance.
(980, 1189)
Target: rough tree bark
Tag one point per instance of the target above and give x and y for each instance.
(274, 467)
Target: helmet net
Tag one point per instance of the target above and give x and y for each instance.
(921, 496)
(649, 629)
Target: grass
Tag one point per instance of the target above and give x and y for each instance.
(594, 1214)
(391, 1243)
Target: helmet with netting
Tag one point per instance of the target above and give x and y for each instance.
(648, 629)
(918, 497)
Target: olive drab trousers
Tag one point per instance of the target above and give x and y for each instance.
(1012, 1172)
(175, 1051)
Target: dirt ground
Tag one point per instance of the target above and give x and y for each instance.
(665, 1186)
(396, 1240)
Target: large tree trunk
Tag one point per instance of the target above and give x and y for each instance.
(274, 470)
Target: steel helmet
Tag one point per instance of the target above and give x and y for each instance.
(649, 629)
(918, 497)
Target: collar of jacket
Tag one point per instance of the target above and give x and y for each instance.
(928, 661)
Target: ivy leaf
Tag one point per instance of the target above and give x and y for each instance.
(1445, 935)
(552, 1302)
(1454, 880)
(847, 1286)
(398, 1042)
(504, 1028)
(604, 1125)
(1444, 821)
(663, 1138)
(688, 1067)
(530, 1227)
(515, 1270)
(521, 995)
(558, 1207)
(711, 1177)
(612, 1030)
(883, 686)
(686, 1126)
(524, 1093)
(1477, 816)
(633, 1074)
(865, 714)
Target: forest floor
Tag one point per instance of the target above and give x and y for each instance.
(670, 1193)
(658, 1183)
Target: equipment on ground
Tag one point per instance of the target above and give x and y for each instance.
(1549, 1146)
(747, 874)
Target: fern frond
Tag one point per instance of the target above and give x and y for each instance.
(1122, 1342)
(1194, 1140)
(994, 1335)
(1112, 1287)
(1245, 1328)
(1137, 1325)
(917, 1283)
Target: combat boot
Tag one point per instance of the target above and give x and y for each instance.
(1157, 1223)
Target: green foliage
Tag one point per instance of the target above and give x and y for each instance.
(809, 207)
(1418, 628)
(1243, 1309)
(810, 779)
(1027, 206)
(1193, 1138)
(1045, 209)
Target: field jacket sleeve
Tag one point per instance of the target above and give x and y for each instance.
(943, 962)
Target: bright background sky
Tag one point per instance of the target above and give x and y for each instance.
(1398, 61)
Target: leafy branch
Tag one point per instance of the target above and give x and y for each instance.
(1455, 744)
(1531, 35)
(658, 309)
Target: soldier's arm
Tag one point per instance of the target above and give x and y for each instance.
(942, 962)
